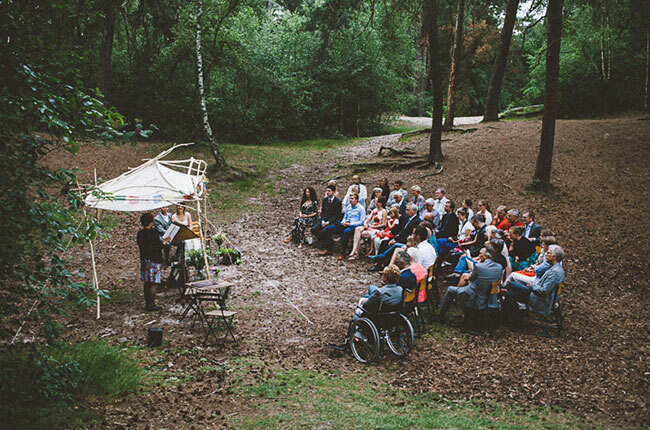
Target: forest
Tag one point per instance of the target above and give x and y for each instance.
(291, 69)
(279, 96)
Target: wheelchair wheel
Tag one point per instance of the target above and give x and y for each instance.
(400, 337)
(363, 339)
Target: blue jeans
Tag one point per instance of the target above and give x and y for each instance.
(461, 267)
(445, 245)
(389, 251)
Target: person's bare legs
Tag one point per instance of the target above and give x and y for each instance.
(356, 242)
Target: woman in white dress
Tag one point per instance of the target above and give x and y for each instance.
(181, 217)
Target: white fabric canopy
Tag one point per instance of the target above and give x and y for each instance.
(152, 185)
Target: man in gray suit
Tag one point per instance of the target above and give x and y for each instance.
(475, 294)
(538, 295)
(161, 223)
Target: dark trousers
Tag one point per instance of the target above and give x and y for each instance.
(337, 228)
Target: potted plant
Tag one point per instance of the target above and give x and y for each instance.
(219, 238)
(230, 256)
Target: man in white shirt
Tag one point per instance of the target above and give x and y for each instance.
(439, 201)
(426, 254)
(362, 192)
(483, 210)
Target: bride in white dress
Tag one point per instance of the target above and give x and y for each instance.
(184, 218)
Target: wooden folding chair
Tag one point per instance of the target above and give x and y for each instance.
(552, 318)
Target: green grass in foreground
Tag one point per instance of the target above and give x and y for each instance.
(306, 399)
(50, 387)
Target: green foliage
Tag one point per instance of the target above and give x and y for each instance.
(41, 388)
(43, 111)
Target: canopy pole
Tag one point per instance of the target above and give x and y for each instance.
(205, 254)
(95, 279)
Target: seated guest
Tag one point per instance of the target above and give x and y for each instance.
(522, 251)
(408, 280)
(400, 204)
(385, 189)
(428, 209)
(388, 233)
(397, 189)
(440, 201)
(362, 192)
(465, 229)
(538, 294)
(426, 255)
(354, 216)
(330, 211)
(467, 205)
(532, 230)
(500, 220)
(376, 194)
(332, 182)
(375, 222)
(388, 298)
(407, 223)
(513, 219)
(484, 209)
(474, 247)
(474, 290)
(306, 217)
(448, 223)
(432, 232)
(417, 198)
(528, 275)
(492, 233)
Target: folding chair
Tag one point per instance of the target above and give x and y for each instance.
(411, 298)
(433, 295)
(552, 318)
(217, 317)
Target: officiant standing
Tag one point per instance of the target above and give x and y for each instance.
(161, 222)
(150, 260)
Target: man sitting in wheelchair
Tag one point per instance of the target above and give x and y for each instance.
(378, 300)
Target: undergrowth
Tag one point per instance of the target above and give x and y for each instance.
(50, 387)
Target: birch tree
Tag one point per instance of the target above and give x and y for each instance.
(214, 147)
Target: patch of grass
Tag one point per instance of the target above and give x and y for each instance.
(305, 399)
(401, 127)
(48, 388)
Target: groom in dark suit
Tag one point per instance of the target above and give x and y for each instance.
(331, 211)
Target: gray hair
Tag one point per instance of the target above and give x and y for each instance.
(430, 201)
(401, 196)
(479, 218)
(557, 251)
(513, 212)
(416, 188)
(354, 189)
(489, 230)
(404, 259)
(412, 206)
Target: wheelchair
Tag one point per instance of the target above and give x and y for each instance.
(368, 331)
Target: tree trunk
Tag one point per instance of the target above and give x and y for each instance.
(218, 158)
(496, 81)
(542, 177)
(455, 60)
(106, 49)
(435, 144)
(647, 67)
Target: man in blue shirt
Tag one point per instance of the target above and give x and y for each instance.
(355, 214)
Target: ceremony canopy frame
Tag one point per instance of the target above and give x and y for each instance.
(154, 184)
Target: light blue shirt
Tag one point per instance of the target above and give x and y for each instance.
(355, 215)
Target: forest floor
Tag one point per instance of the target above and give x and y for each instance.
(281, 373)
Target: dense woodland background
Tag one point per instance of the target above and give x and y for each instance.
(291, 69)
